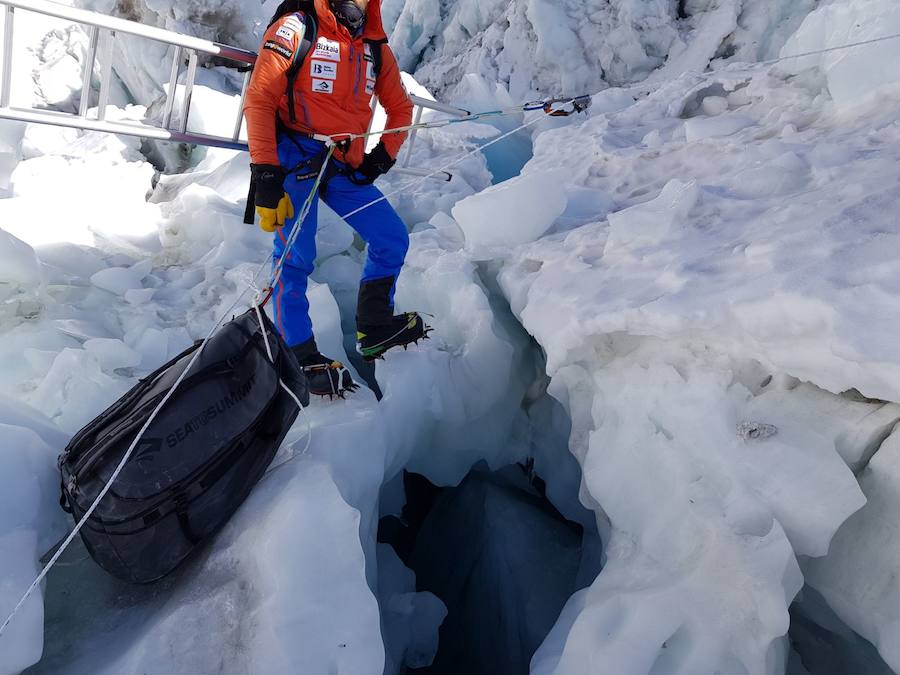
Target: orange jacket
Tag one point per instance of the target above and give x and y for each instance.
(334, 89)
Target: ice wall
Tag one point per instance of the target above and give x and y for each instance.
(853, 75)
(538, 47)
(679, 316)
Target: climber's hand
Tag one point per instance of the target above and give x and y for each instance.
(272, 203)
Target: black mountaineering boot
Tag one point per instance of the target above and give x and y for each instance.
(377, 328)
(327, 377)
(404, 329)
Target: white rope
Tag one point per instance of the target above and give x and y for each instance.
(647, 89)
(262, 325)
(449, 165)
(829, 50)
(441, 123)
(295, 231)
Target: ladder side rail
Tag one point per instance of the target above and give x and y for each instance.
(124, 26)
(136, 129)
(435, 105)
(147, 131)
(6, 75)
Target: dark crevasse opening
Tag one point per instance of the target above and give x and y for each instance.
(501, 558)
(822, 644)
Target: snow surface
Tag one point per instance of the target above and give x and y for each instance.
(704, 254)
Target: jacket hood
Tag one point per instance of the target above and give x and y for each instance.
(374, 29)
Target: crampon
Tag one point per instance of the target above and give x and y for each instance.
(331, 379)
(406, 329)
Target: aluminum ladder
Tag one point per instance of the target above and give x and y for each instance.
(102, 31)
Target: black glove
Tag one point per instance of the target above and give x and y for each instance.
(374, 164)
(272, 203)
(269, 181)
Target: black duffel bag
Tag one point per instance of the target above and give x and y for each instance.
(197, 461)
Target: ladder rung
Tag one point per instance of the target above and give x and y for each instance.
(88, 72)
(106, 57)
(239, 123)
(6, 76)
(188, 90)
(412, 137)
(173, 88)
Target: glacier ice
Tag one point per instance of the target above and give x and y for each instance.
(515, 212)
(30, 525)
(852, 75)
(766, 296)
(858, 576)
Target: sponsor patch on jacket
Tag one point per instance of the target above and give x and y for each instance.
(326, 70)
(286, 33)
(323, 86)
(370, 87)
(279, 48)
(294, 23)
(327, 49)
(370, 70)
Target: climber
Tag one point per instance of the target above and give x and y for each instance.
(319, 65)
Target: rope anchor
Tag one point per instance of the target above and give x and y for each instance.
(579, 104)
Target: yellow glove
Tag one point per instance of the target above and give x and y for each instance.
(271, 219)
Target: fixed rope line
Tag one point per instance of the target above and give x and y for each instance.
(829, 50)
(771, 62)
(549, 106)
(449, 165)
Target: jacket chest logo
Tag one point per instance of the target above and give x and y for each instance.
(327, 49)
(323, 86)
(325, 70)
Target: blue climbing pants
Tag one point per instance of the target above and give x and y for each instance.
(378, 225)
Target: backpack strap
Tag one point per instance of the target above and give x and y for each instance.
(375, 49)
(310, 31)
